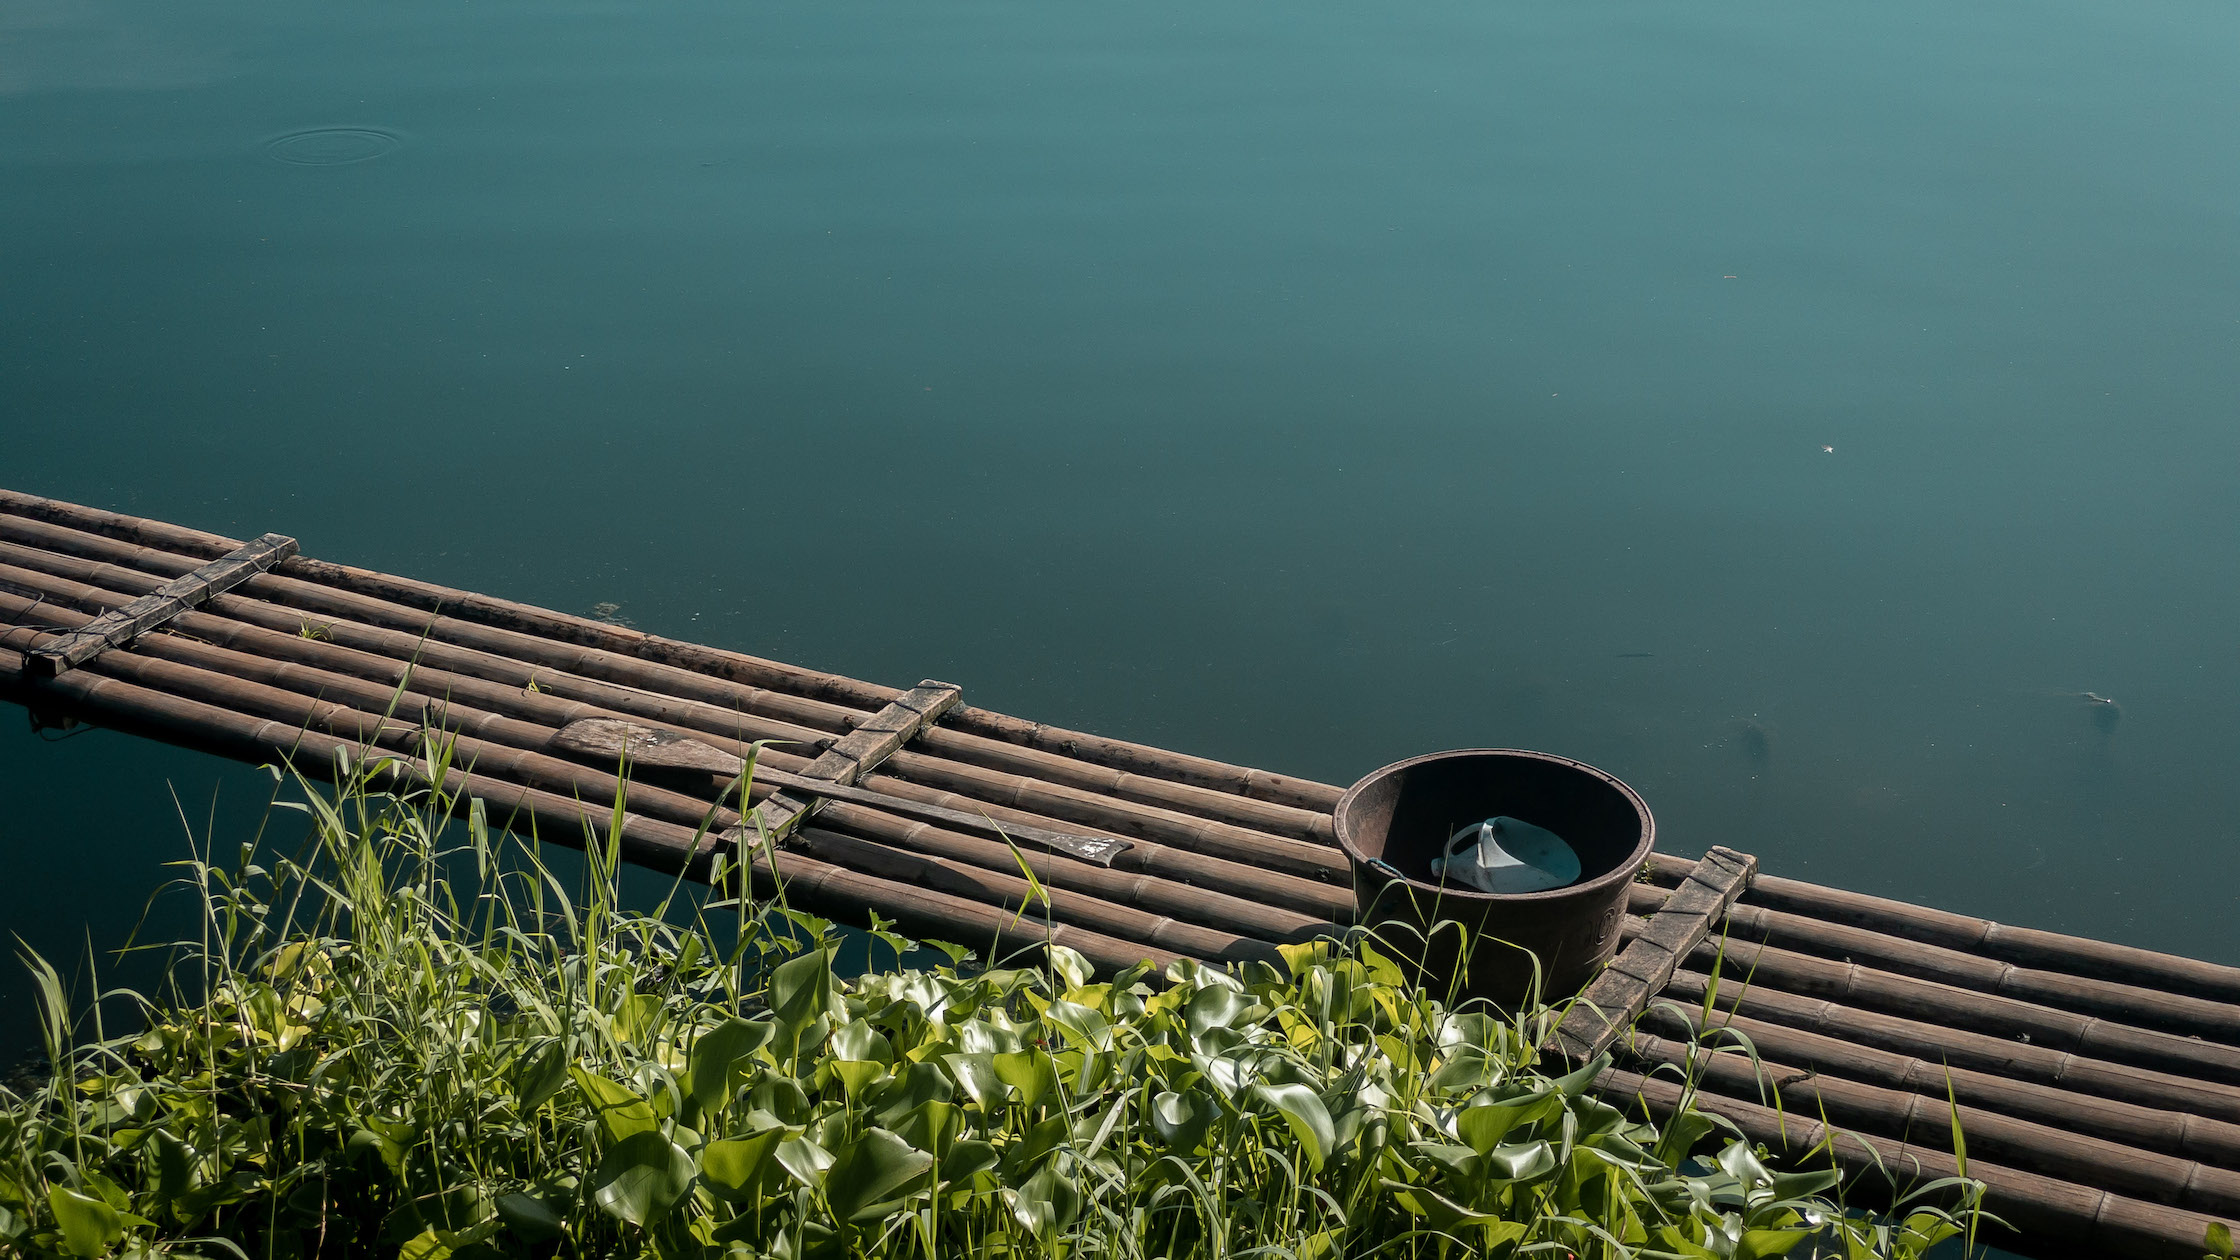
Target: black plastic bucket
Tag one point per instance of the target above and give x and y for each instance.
(1392, 823)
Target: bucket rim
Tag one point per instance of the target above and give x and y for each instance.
(1623, 872)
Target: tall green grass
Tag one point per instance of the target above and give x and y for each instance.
(412, 1038)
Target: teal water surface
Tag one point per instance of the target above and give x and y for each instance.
(1792, 408)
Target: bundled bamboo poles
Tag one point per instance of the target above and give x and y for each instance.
(2026, 947)
(2129, 1003)
(1124, 758)
(2147, 1128)
(1210, 889)
(578, 670)
(1927, 1039)
(814, 885)
(350, 653)
(279, 677)
(1969, 1010)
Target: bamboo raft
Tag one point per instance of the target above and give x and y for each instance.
(2097, 1085)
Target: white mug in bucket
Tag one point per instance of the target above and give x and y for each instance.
(1504, 855)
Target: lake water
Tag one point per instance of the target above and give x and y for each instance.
(1792, 408)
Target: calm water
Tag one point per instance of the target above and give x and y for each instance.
(1306, 386)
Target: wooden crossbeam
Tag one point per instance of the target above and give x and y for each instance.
(188, 591)
(610, 740)
(853, 756)
(1642, 969)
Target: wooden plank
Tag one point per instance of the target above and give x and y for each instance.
(871, 742)
(884, 732)
(165, 602)
(1611, 1003)
(777, 815)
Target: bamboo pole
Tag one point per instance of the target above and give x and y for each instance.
(1295, 857)
(2056, 1217)
(279, 663)
(941, 746)
(2018, 1060)
(2143, 1008)
(1121, 922)
(2171, 1133)
(1120, 755)
(1919, 1119)
(2029, 947)
(1118, 883)
(819, 886)
(1961, 1009)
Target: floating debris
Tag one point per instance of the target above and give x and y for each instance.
(610, 613)
(2106, 713)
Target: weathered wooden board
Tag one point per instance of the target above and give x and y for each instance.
(176, 596)
(609, 740)
(1645, 965)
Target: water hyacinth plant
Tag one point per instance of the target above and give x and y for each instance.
(412, 1039)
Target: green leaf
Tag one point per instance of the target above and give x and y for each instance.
(1081, 1025)
(539, 1073)
(531, 1217)
(1045, 1206)
(424, 1245)
(622, 1113)
(1215, 1006)
(967, 1156)
(930, 1126)
(1031, 1072)
(1757, 1244)
(1182, 1120)
(858, 1042)
(1520, 1163)
(804, 1160)
(1445, 1214)
(739, 1170)
(641, 1178)
(89, 1226)
(1741, 1163)
(720, 1058)
(878, 1167)
(1573, 1084)
(172, 1163)
(802, 995)
(2219, 1240)
(1482, 1128)
(914, 1087)
(976, 1075)
(636, 1019)
(856, 1077)
(1798, 1185)
(1309, 1119)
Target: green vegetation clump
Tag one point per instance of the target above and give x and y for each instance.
(413, 1040)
